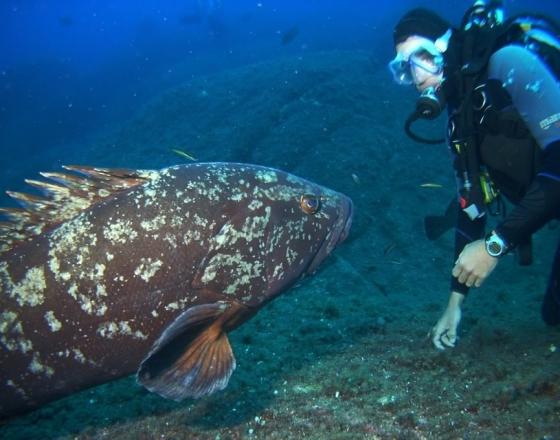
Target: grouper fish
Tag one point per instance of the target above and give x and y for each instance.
(116, 271)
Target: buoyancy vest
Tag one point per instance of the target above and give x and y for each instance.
(506, 148)
(488, 132)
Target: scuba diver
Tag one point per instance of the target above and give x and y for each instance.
(499, 80)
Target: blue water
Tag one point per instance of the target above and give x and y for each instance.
(120, 83)
(69, 69)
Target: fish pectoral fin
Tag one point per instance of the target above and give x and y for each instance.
(193, 357)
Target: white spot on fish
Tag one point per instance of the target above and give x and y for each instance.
(108, 330)
(153, 224)
(267, 176)
(150, 196)
(120, 232)
(25, 346)
(255, 204)
(7, 320)
(111, 330)
(30, 290)
(238, 196)
(178, 305)
(71, 236)
(36, 367)
(18, 389)
(242, 272)
(54, 265)
(147, 268)
(11, 333)
(91, 305)
(172, 306)
(79, 356)
(100, 290)
(200, 221)
(278, 272)
(86, 304)
(171, 239)
(54, 324)
(291, 256)
(73, 291)
(98, 273)
(222, 235)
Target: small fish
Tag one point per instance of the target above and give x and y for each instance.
(184, 154)
(65, 21)
(431, 185)
(388, 249)
(290, 35)
(355, 178)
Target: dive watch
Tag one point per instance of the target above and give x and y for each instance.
(495, 245)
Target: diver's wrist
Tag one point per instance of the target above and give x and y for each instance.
(456, 299)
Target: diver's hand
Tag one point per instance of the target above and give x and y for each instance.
(444, 333)
(474, 264)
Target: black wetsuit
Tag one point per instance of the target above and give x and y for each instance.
(532, 184)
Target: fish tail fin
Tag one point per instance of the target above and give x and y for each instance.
(193, 357)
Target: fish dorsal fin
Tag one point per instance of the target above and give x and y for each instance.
(64, 197)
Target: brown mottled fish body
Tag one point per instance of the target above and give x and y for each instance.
(148, 272)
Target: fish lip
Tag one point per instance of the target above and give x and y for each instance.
(335, 237)
(348, 212)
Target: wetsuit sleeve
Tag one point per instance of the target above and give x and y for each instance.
(535, 93)
(466, 231)
(540, 204)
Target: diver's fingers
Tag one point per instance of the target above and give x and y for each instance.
(457, 269)
(462, 278)
(475, 280)
(460, 272)
(449, 339)
(437, 333)
(437, 342)
(471, 280)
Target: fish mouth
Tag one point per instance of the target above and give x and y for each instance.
(348, 213)
(337, 235)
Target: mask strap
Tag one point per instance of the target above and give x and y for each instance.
(442, 43)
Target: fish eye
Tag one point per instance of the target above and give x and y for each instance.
(310, 204)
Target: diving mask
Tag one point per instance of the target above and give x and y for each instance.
(413, 64)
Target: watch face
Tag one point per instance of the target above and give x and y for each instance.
(494, 248)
